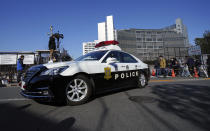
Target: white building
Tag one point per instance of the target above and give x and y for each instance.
(88, 46)
(102, 31)
(106, 32)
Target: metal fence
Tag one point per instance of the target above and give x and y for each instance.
(9, 72)
(175, 52)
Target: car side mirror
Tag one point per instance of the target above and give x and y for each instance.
(110, 60)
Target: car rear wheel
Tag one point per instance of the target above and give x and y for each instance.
(78, 91)
(142, 81)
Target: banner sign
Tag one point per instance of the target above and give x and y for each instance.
(8, 59)
(194, 50)
(11, 59)
(28, 58)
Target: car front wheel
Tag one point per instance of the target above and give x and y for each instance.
(78, 91)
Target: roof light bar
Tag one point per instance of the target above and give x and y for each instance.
(106, 43)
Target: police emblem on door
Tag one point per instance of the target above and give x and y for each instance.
(107, 72)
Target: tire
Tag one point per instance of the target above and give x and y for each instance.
(142, 81)
(78, 90)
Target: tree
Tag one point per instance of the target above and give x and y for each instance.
(204, 42)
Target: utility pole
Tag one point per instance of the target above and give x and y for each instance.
(51, 30)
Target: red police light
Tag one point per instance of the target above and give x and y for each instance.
(105, 43)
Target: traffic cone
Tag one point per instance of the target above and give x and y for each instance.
(195, 73)
(153, 72)
(173, 74)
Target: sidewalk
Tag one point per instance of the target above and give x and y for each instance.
(10, 85)
(168, 79)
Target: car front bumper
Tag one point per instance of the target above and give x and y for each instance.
(39, 93)
(44, 87)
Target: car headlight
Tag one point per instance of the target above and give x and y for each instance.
(54, 71)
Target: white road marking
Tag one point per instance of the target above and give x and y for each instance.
(14, 99)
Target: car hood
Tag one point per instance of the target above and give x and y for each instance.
(58, 64)
(68, 63)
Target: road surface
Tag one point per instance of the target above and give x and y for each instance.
(162, 106)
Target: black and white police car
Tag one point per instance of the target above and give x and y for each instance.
(75, 82)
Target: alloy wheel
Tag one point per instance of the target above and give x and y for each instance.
(76, 90)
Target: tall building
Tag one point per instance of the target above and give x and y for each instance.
(106, 32)
(148, 44)
(102, 31)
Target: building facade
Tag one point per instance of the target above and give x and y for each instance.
(88, 46)
(148, 44)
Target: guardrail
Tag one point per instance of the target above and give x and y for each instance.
(8, 74)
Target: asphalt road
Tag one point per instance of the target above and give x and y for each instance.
(162, 106)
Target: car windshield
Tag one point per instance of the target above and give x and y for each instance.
(96, 55)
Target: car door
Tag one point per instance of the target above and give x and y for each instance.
(129, 66)
(123, 71)
(108, 79)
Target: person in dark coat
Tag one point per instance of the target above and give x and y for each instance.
(191, 64)
(52, 46)
(198, 65)
(157, 67)
(20, 68)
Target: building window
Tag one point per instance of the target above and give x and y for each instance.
(149, 39)
(138, 46)
(139, 39)
(149, 46)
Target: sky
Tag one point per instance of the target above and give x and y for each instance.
(24, 24)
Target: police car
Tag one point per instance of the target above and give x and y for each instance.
(75, 82)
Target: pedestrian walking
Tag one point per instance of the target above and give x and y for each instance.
(185, 71)
(20, 68)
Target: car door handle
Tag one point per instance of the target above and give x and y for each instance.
(127, 67)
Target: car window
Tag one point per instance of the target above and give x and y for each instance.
(112, 54)
(96, 55)
(126, 58)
